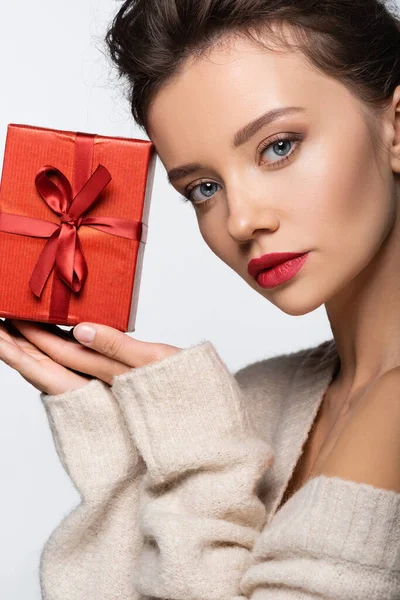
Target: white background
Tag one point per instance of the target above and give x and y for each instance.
(55, 74)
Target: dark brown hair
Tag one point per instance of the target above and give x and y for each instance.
(355, 41)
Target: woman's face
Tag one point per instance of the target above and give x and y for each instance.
(320, 191)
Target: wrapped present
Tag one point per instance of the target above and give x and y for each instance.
(74, 211)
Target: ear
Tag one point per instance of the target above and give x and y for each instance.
(395, 145)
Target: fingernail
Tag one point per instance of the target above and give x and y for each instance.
(84, 333)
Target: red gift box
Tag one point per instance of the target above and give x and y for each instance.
(74, 211)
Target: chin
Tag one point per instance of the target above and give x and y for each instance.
(294, 303)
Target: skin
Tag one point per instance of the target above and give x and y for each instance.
(336, 197)
(54, 361)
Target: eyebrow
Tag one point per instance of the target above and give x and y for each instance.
(241, 137)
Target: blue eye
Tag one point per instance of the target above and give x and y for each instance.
(207, 188)
(281, 146)
(204, 187)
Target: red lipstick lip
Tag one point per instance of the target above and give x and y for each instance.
(257, 265)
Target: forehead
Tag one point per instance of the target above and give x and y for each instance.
(234, 82)
(227, 68)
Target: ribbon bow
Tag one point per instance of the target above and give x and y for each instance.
(64, 248)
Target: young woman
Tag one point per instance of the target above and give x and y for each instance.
(280, 122)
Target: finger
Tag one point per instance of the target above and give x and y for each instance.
(14, 336)
(47, 326)
(32, 370)
(120, 346)
(10, 333)
(17, 330)
(5, 332)
(69, 353)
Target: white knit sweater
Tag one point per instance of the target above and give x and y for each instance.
(181, 466)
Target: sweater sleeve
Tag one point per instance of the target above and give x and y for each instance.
(93, 551)
(199, 513)
(204, 527)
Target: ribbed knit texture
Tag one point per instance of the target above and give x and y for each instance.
(181, 466)
(93, 552)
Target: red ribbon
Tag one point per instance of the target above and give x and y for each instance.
(63, 249)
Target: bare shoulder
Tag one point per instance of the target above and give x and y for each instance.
(368, 448)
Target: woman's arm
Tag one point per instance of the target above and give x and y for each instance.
(93, 552)
(199, 510)
(200, 515)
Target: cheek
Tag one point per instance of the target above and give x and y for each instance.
(351, 212)
(213, 230)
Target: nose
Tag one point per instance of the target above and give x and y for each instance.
(249, 214)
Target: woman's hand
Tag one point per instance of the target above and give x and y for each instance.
(51, 360)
